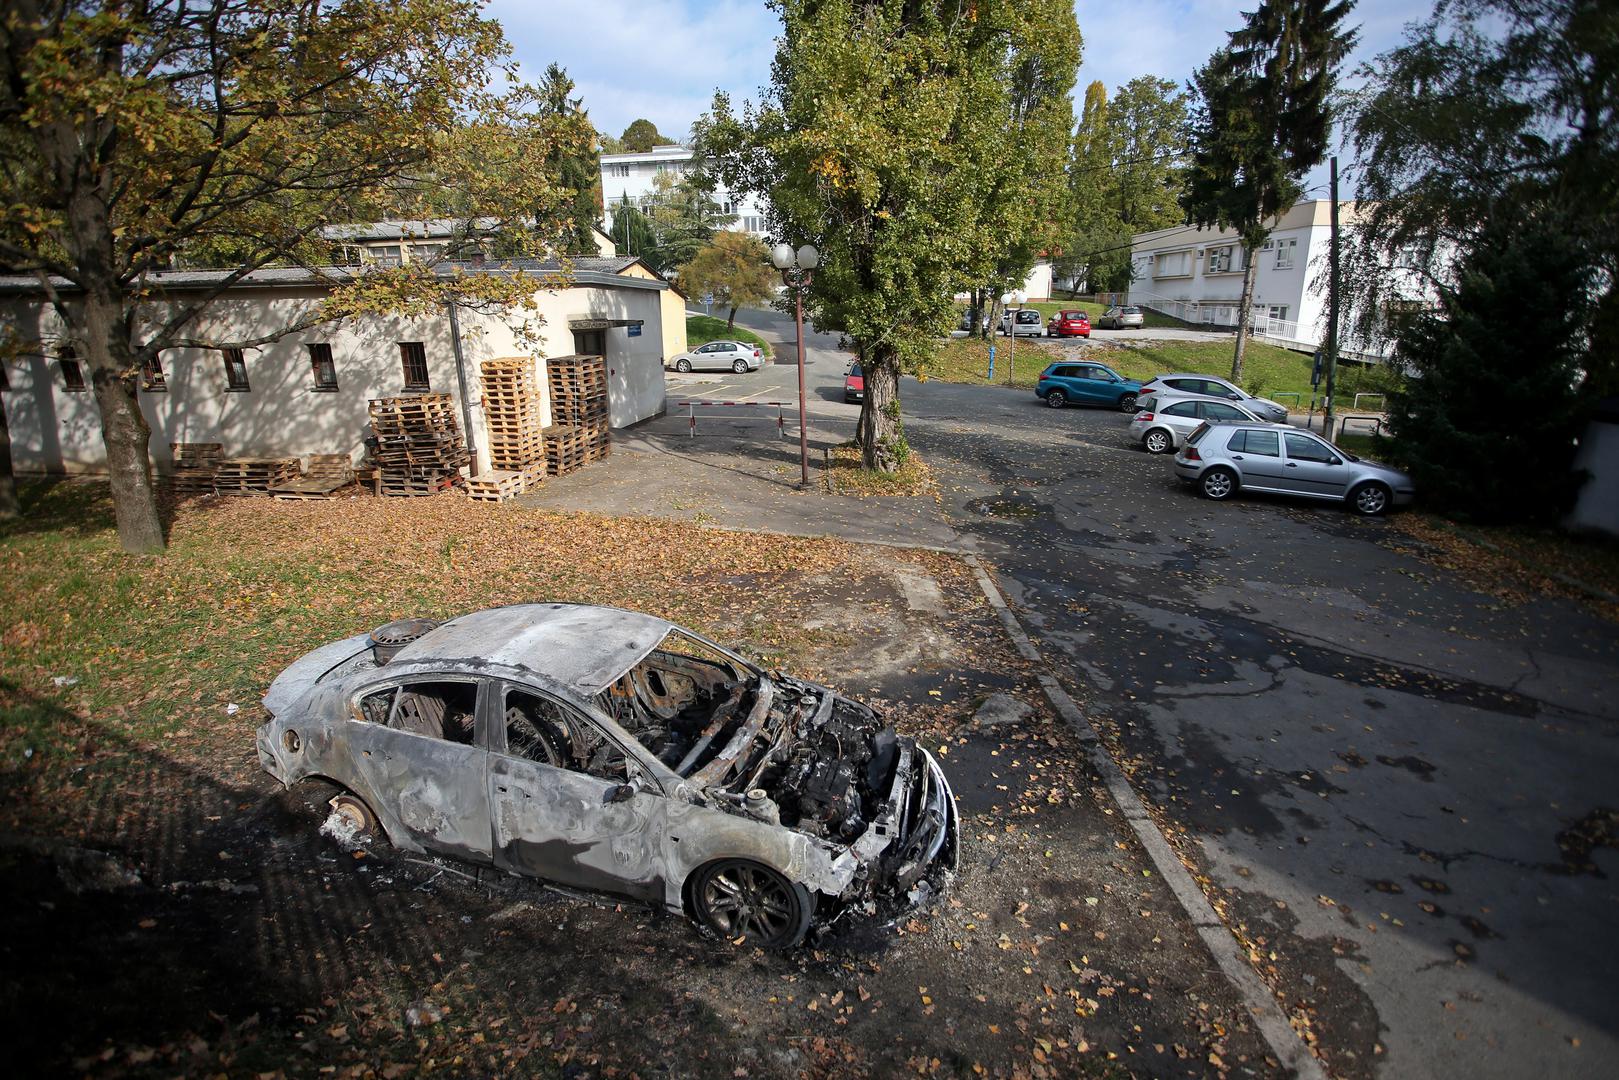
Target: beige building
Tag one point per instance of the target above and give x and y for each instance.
(307, 392)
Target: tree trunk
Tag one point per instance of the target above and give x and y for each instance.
(879, 429)
(9, 507)
(1245, 309)
(124, 431)
(731, 322)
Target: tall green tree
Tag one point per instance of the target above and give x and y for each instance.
(889, 138)
(133, 134)
(1262, 121)
(1490, 110)
(574, 164)
(1126, 171)
(735, 268)
(1489, 427)
(641, 136)
(684, 217)
(632, 233)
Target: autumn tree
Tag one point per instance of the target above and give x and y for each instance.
(641, 136)
(1492, 110)
(684, 216)
(132, 135)
(1261, 123)
(735, 268)
(890, 138)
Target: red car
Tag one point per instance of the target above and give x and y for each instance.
(854, 385)
(1069, 324)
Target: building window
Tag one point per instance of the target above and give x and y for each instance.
(618, 170)
(72, 373)
(753, 224)
(1284, 254)
(426, 252)
(1220, 260)
(413, 357)
(320, 360)
(152, 380)
(1173, 264)
(235, 370)
(1408, 258)
(1276, 312)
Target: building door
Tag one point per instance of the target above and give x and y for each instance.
(590, 342)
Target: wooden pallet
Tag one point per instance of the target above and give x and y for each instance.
(417, 486)
(194, 467)
(495, 486)
(254, 475)
(323, 476)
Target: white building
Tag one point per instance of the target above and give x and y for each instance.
(391, 243)
(1196, 275)
(307, 392)
(634, 176)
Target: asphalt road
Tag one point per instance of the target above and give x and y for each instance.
(1400, 786)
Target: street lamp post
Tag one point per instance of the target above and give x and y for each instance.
(1007, 298)
(797, 273)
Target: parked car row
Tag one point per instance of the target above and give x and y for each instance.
(1228, 440)
(1071, 323)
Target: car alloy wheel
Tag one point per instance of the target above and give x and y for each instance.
(1158, 442)
(682, 365)
(1218, 484)
(1127, 403)
(739, 366)
(1370, 499)
(739, 898)
(1056, 399)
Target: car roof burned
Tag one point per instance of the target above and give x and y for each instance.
(582, 648)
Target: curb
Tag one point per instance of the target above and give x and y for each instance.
(1268, 1017)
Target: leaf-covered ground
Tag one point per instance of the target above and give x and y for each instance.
(175, 913)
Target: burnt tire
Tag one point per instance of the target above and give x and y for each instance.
(740, 898)
(353, 809)
(1217, 484)
(682, 365)
(1056, 399)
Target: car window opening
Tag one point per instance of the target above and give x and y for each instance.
(683, 702)
(542, 731)
(445, 710)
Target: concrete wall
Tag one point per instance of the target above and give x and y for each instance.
(56, 430)
(673, 308)
(1598, 505)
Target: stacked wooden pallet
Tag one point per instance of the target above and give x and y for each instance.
(419, 448)
(567, 448)
(579, 400)
(254, 475)
(195, 465)
(325, 475)
(511, 405)
(496, 485)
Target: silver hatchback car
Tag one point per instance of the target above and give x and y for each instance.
(1223, 458)
(1174, 416)
(1120, 317)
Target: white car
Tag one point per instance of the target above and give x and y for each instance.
(1030, 323)
(737, 356)
(1186, 382)
(1174, 416)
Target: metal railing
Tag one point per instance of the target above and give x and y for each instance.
(1376, 423)
(692, 415)
(1382, 400)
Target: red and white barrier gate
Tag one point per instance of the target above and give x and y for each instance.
(779, 406)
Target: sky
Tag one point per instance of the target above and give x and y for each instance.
(663, 59)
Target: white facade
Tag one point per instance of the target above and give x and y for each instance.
(280, 411)
(392, 243)
(1196, 274)
(634, 176)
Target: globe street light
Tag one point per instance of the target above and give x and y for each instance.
(796, 273)
(1007, 298)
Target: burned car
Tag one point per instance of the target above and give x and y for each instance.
(611, 751)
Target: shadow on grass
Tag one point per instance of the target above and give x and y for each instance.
(76, 506)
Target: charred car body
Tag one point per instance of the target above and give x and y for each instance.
(611, 751)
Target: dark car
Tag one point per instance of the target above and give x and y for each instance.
(854, 384)
(612, 751)
(1092, 384)
(1069, 324)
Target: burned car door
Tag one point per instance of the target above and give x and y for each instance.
(418, 749)
(569, 804)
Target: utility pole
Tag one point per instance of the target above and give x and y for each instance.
(1332, 302)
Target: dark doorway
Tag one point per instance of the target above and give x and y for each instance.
(590, 342)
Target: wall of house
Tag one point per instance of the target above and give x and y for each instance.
(281, 414)
(673, 309)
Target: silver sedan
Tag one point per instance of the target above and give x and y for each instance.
(737, 356)
(1172, 417)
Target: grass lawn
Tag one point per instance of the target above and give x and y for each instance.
(701, 329)
(1267, 369)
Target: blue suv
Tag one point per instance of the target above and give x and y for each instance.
(1087, 382)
